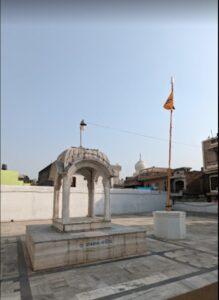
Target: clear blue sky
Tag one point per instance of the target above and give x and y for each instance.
(58, 69)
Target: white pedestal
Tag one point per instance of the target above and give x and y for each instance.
(170, 224)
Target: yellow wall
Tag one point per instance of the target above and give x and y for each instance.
(10, 177)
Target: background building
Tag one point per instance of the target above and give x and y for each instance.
(44, 176)
(153, 178)
(12, 177)
(210, 166)
(187, 184)
(192, 184)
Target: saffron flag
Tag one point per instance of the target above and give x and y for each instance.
(169, 103)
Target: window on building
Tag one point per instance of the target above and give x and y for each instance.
(214, 141)
(179, 186)
(156, 186)
(73, 184)
(214, 183)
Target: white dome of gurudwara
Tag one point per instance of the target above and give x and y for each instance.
(139, 166)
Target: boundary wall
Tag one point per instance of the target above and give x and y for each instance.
(21, 203)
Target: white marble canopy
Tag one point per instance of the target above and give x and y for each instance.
(91, 163)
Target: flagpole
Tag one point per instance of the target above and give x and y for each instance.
(168, 203)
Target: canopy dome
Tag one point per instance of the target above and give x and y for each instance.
(76, 155)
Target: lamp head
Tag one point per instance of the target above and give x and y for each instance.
(82, 124)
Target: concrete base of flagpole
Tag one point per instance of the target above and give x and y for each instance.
(170, 224)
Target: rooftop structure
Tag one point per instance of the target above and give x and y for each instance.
(81, 240)
(91, 164)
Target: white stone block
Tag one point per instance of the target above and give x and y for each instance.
(170, 224)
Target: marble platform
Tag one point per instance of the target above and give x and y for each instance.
(50, 248)
(81, 224)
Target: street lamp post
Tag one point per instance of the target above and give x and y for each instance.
(82, 126)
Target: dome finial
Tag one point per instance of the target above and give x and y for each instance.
(140, 156)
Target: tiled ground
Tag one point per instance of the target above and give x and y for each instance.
(170, 268)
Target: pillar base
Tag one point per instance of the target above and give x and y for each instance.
(81, 224)
(169, 224)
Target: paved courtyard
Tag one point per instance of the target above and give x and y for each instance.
(169, 268)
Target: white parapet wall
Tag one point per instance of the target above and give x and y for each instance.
(21, 203)
(197, 207)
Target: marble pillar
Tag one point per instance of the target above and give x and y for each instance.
(56, 194)
(107, 211)
(65, 198)
(91, 188)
